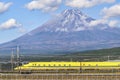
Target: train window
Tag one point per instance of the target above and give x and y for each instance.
(96, 64)
(83, 64)
(38, 64)
(64, 64)
(69, 64)
(59, 64)
(118, 64)
(54, 64)
(49, 65)
(44, 65)
(89, 65)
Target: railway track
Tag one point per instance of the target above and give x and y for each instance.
(63, 76)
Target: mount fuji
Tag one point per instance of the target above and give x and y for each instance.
(68, 32)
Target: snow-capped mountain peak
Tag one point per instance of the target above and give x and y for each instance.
(68, 20)
(72, 11)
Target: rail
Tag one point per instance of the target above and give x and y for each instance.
(57, 76)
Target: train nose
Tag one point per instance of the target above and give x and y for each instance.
(17, 68)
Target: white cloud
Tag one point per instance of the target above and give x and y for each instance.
(22, 30)
(86, 3)
(97, 22)
(44, 5)
(110, 23)
(113, 11)
(4, 6)
(79, 29)
(62, 29)
(11, 23)
(113, 23)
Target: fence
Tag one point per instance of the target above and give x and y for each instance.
(61, 76)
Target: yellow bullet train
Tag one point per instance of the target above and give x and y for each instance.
(69, 66)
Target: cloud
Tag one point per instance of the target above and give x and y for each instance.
(113, 11)
(97, 22)
(22, 30)
(108, 16)
(79, 29)
(113, 23)
(110, 23)
(4, 6)
(10, 24)
(44, 5)
(62, 29)
(86, 3)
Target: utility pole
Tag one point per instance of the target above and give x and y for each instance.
(18, 58)
(80, 67)
(0, 66)
(71, 60)
(12, 60)
(108, 58)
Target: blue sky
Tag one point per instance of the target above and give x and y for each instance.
(18, 17)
